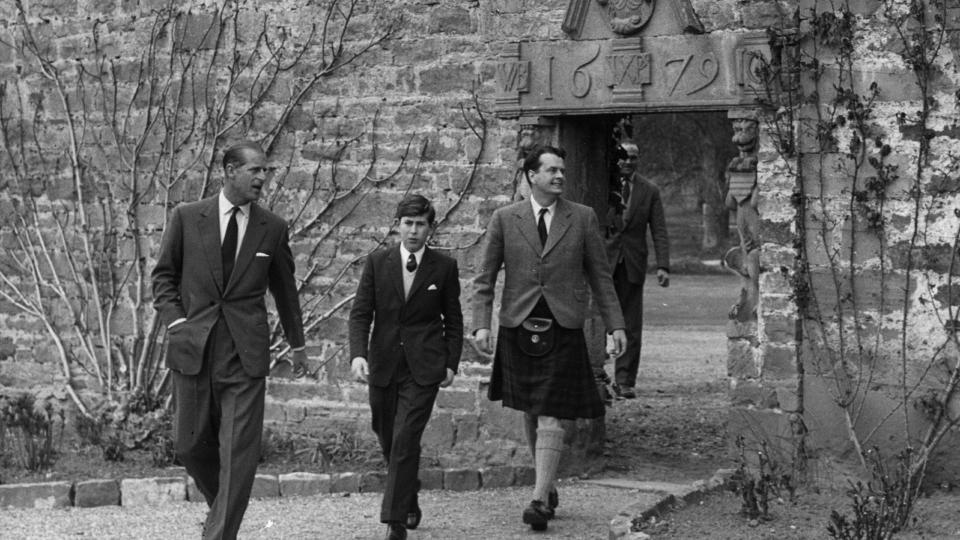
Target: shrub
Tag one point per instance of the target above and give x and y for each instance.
(130, 423)
(882, 506)
(30, 429)
(757, 489)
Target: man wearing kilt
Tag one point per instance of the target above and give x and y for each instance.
(551, 250)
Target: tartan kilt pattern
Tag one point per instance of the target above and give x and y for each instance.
(559, 384)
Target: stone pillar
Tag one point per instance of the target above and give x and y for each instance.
(765, 376)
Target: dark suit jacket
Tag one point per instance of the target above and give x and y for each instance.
(188, 282)
(559, 271)
(626, 234)
(426, 328)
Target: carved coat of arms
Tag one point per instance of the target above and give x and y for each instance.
(628, 16)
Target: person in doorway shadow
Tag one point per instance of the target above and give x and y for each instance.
(636, 209)
(550, 249)
(410, 294)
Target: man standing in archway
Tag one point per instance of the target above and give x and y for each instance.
(638, 208)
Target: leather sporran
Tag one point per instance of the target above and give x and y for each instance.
(536, 336)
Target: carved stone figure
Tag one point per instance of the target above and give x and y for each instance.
(742, 197)
(628, 16)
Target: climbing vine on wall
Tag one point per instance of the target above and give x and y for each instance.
(877, 220)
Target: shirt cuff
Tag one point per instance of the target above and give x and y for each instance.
(176, 322)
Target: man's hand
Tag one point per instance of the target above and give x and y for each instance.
(299, 363)
(484, 341)
(663, 277)
(619, 342)
(358, 366)
(449, 379)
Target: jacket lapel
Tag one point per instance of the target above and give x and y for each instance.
(395, 272)
(209, 228)
(637, 194)
(528, 225)
(256, 228)
(559, 225)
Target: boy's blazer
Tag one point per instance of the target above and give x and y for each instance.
(426, 328)
(560, 271)
(188, 282)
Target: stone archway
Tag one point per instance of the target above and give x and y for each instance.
(566, 92)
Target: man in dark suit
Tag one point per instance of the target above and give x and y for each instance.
(218, 258)
(411, 295)
(637, 208)
(551, 250)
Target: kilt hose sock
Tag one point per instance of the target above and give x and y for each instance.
(549, 446)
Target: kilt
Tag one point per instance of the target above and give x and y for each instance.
(558, 384)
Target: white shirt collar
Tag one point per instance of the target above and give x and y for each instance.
(404, 254)
(537, 207)
(225, 205)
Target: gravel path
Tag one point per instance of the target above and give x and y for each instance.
(585, 512)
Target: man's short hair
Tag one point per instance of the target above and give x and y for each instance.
(235, 155)
(532, 161)
(416, 205)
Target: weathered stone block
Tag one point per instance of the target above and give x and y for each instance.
(467, 430)
(524, 476)
(152, 491)
(347, 482)
(90, 493)
(196, 31)
(36, 495)
(265, 486)
(745, 392)
(439, 433)
(302, 484)
(431, 478)
(373, 481)
(457, 399)
(780, 328)
(461, 479)
(497, 477)
(446, 19)
(741, 360)
(446, 79)
(779, 362)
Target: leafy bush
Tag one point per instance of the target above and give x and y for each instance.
(757, 489)
(882, 506)
(130, 423)
(29, 428)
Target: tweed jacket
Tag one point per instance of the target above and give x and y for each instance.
(561, 271)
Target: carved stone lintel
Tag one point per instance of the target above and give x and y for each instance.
(627, 17)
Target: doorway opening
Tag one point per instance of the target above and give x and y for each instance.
(678, 419)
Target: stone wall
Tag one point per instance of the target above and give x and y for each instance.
(416, 113)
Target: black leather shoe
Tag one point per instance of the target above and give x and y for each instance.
(553, 499)
(396, 531)
(537, 515)
(413, 518)
(624, 392)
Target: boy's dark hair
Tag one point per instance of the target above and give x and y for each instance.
(235, 155)
(416, 205)
(532, 161)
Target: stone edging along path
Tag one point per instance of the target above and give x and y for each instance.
(180, 487)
